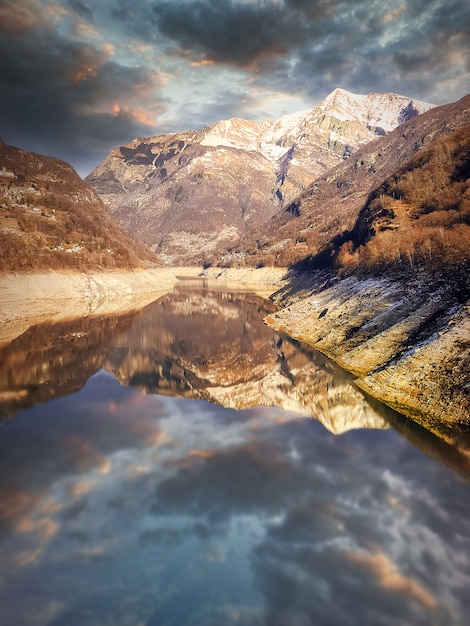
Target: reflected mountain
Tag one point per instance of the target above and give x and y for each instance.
(52, 360)
(213, 346)
(191, 343)
(206, 344)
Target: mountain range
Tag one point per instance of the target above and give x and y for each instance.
(391, 201)
(365, 198)
(193, 194)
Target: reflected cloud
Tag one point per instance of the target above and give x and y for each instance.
(269, 517)
(387, 576)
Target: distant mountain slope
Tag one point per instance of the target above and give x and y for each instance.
(401, 198)
(190, 194)
(51, 219)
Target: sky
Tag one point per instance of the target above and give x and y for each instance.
(79, 78)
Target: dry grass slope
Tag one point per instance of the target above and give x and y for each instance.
(51, 219)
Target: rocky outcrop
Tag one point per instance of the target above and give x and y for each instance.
(191, 194)
(407, 339)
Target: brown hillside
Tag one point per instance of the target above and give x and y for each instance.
(406, 186)
(51, 219)
(420, 214)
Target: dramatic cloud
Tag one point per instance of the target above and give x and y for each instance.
(79, 78)
(63, 96)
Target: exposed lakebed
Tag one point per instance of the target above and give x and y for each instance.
(163, 467)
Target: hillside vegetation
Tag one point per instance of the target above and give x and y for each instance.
(402, 200)
(51, 219)
(418, 216)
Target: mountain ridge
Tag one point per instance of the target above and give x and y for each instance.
(210, 186)
(304, 229)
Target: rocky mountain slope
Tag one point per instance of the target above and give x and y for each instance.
(389, 191)
(381, 279)
(193, 193)
(51, 219)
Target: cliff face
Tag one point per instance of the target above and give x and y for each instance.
(51, 219)
(191, 194)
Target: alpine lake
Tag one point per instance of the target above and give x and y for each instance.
(186, 465)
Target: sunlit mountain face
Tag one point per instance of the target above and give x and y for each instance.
(192, 195)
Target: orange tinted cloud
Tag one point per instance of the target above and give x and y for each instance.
(20, 17)
(201, 454)
(389, 578)
(202, 62)
(15, 502)
(46, 527)
(139, 114)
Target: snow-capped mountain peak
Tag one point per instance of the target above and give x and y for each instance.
(379, 110)
(378, 113)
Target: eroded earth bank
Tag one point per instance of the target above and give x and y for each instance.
(406, 341)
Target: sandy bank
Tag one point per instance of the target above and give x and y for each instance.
(27, 299)
(266, 277)
(408, 346)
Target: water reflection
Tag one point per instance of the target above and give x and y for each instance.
(124, 508)
(121, 507)
(191, 343)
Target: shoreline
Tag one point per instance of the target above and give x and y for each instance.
(366, 326)
(362, 325)
(373, 328)
(32, 298)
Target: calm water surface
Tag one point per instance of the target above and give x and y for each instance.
(163, 468)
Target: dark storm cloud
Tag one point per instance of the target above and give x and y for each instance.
(58, 94)
(407, 50)
(66, 92)
(313, 47)
(82, 8)
(237, 33)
